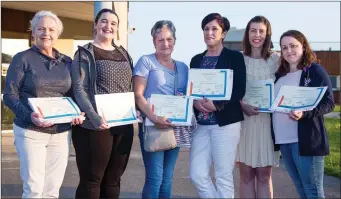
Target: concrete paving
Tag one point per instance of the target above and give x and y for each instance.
(333, 115)
(133, 178)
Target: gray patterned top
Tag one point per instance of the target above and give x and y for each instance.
(114, 74)
(32, 74)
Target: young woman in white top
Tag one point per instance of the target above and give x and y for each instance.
(256, 154)
(302, 135)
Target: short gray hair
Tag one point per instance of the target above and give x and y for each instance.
(160, 24)
(44, 13)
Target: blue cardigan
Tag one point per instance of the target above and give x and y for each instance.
(312, 134)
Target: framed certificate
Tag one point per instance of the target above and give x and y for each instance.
(55, 109)
(214, 84)
(178, 109)
(117, 108)
(297, 98)
(260, 93)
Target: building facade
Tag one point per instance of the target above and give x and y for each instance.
(78, 22)
(329, 59)
(77, 18)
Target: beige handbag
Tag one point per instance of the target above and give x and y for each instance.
(156, 139)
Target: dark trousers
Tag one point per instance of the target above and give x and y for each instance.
(101, 157)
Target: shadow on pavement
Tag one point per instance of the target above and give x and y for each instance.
(15, 191)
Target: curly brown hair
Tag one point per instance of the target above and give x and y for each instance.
(308, 56)
(267, 43)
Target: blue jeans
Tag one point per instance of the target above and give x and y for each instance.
(159, 167)
(306, 172)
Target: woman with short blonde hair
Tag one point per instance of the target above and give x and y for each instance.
(41, 71)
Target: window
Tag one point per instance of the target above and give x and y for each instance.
(335, 79)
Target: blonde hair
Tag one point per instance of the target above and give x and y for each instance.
(42, 14)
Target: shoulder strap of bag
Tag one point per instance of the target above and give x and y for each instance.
(175, 78)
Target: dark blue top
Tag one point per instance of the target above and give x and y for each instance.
(312, 134)
(207, 62)
(228, 111)
(32, 74)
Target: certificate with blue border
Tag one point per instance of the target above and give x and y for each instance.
(214, 84)
(117, 108)
(260, 93)
(177, 109)
(55, 109)
(297, 98)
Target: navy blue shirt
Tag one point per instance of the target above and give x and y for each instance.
(208, 62)
(32, 74)
(228, 111)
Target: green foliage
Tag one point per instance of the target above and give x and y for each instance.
(332, 161)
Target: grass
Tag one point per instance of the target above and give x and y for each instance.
(337, 108)
(332, 161)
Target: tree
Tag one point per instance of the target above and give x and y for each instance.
(6, 58)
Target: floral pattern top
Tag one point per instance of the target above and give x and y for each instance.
(208, 62)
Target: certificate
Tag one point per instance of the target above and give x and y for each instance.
(117, 108)
(297, 98)
(214, 84)
(55, 110)
(260, 93)
(178, 109)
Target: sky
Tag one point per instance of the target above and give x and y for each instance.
(319, 21)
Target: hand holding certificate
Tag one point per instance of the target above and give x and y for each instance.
(214, 84)
(297, 98)
(177, 109)
(55, 110)
(260, 93)
(117, 108)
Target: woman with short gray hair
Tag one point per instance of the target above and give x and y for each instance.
(156, 74)
(158, 26)
(41, 71)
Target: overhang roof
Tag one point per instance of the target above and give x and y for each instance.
(74, 10)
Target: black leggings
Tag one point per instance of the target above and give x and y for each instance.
(101, 157)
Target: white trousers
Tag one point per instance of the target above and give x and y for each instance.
(212, 143)
(43, 159)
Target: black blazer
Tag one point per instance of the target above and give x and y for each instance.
(312, 134)
(228, 111)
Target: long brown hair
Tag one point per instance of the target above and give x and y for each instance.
(308, 56)
(266, 46)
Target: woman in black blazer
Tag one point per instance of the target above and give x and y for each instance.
(217, 136)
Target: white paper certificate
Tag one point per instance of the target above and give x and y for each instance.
(297, 98)
(55, 109)
(214, 84)
(178, 109)
(260, 93)
(117, 108)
